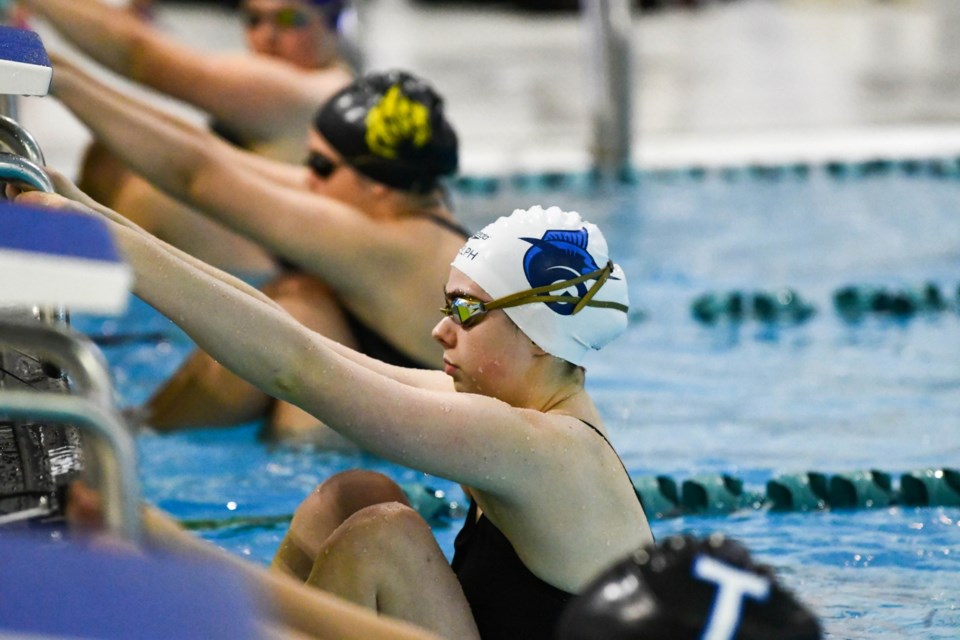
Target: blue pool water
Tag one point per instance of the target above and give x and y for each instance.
(681, 398)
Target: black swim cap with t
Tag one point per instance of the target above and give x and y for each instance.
(688, 589)
(391, 128)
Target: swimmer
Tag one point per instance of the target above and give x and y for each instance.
(262, 100)
(265, 97)
(371, 236)
(688, 589)
(527, 298)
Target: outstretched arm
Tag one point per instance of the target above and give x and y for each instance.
(258, 96)
(320, 234)
(415, 421)
(71, 198)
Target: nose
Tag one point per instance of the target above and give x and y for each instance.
(445, 332)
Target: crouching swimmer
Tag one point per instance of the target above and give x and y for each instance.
(688, 589)
(509, 418)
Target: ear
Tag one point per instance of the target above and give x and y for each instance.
(378, 189)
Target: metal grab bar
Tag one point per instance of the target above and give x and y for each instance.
(14, 168)
(20, 141)
(92, 409)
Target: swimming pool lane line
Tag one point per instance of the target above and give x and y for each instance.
(709, 494)
(485, 185)
(852, 302)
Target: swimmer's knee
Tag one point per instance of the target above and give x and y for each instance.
(386, 525)
(350, 491)
(357, 488)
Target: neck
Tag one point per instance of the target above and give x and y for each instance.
(415, 205)
(557, 388)
(568, 392)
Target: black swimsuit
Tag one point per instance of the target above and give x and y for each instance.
(371, 343)
(508, 601)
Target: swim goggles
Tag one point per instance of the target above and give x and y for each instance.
(468, 311)
(321, 165)
(285, 18)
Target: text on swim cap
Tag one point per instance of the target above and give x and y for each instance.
(467, 252)
(733, 585)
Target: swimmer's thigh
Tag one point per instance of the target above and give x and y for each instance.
(385, 557)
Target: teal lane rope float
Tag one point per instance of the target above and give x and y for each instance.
(799, 492)
(780, 306)
(707, 494)
(486, 185)
(853, 302)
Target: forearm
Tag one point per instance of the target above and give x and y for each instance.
(111, 36)
(169, 152)
(66, 188)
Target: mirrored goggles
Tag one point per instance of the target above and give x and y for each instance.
(468, 311)
(285, 18)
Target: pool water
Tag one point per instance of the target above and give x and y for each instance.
(748, 398)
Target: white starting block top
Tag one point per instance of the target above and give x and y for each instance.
(54, 258)
(25, 68)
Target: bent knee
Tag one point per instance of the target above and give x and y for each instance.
(385, 525)
(359, 488)
(347, 492)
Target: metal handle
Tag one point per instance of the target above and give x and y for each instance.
(14, 168)
(92, 409)
(20, 141)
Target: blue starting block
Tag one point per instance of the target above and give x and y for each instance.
(25, 68)
(60, 259)
(61, 590)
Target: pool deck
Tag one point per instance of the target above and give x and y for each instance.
(742, 81)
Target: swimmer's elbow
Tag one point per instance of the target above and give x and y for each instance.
(286, 377)
(136, 64)
(199, 171)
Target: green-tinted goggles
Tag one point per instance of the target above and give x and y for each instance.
(467, 311)
(285, 18)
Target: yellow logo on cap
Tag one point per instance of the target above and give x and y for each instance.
(396, 118)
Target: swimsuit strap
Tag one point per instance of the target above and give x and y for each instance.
(450, 225)
(607, 440)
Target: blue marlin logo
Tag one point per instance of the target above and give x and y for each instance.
(559, 255)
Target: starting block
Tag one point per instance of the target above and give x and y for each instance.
(60, 258)
(25, 68)
(62, 590)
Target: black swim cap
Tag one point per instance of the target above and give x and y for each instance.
(391, 128)
(687, 589)
(332, 10)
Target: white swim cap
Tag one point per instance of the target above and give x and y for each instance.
(536, 248)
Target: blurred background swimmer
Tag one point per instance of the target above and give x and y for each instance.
(371, 237)
(686, 588)
(262, 100)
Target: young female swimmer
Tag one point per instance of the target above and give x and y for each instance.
(509, 418)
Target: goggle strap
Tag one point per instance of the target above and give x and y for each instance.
(533, 295)
(596, 287)
(601, 304)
